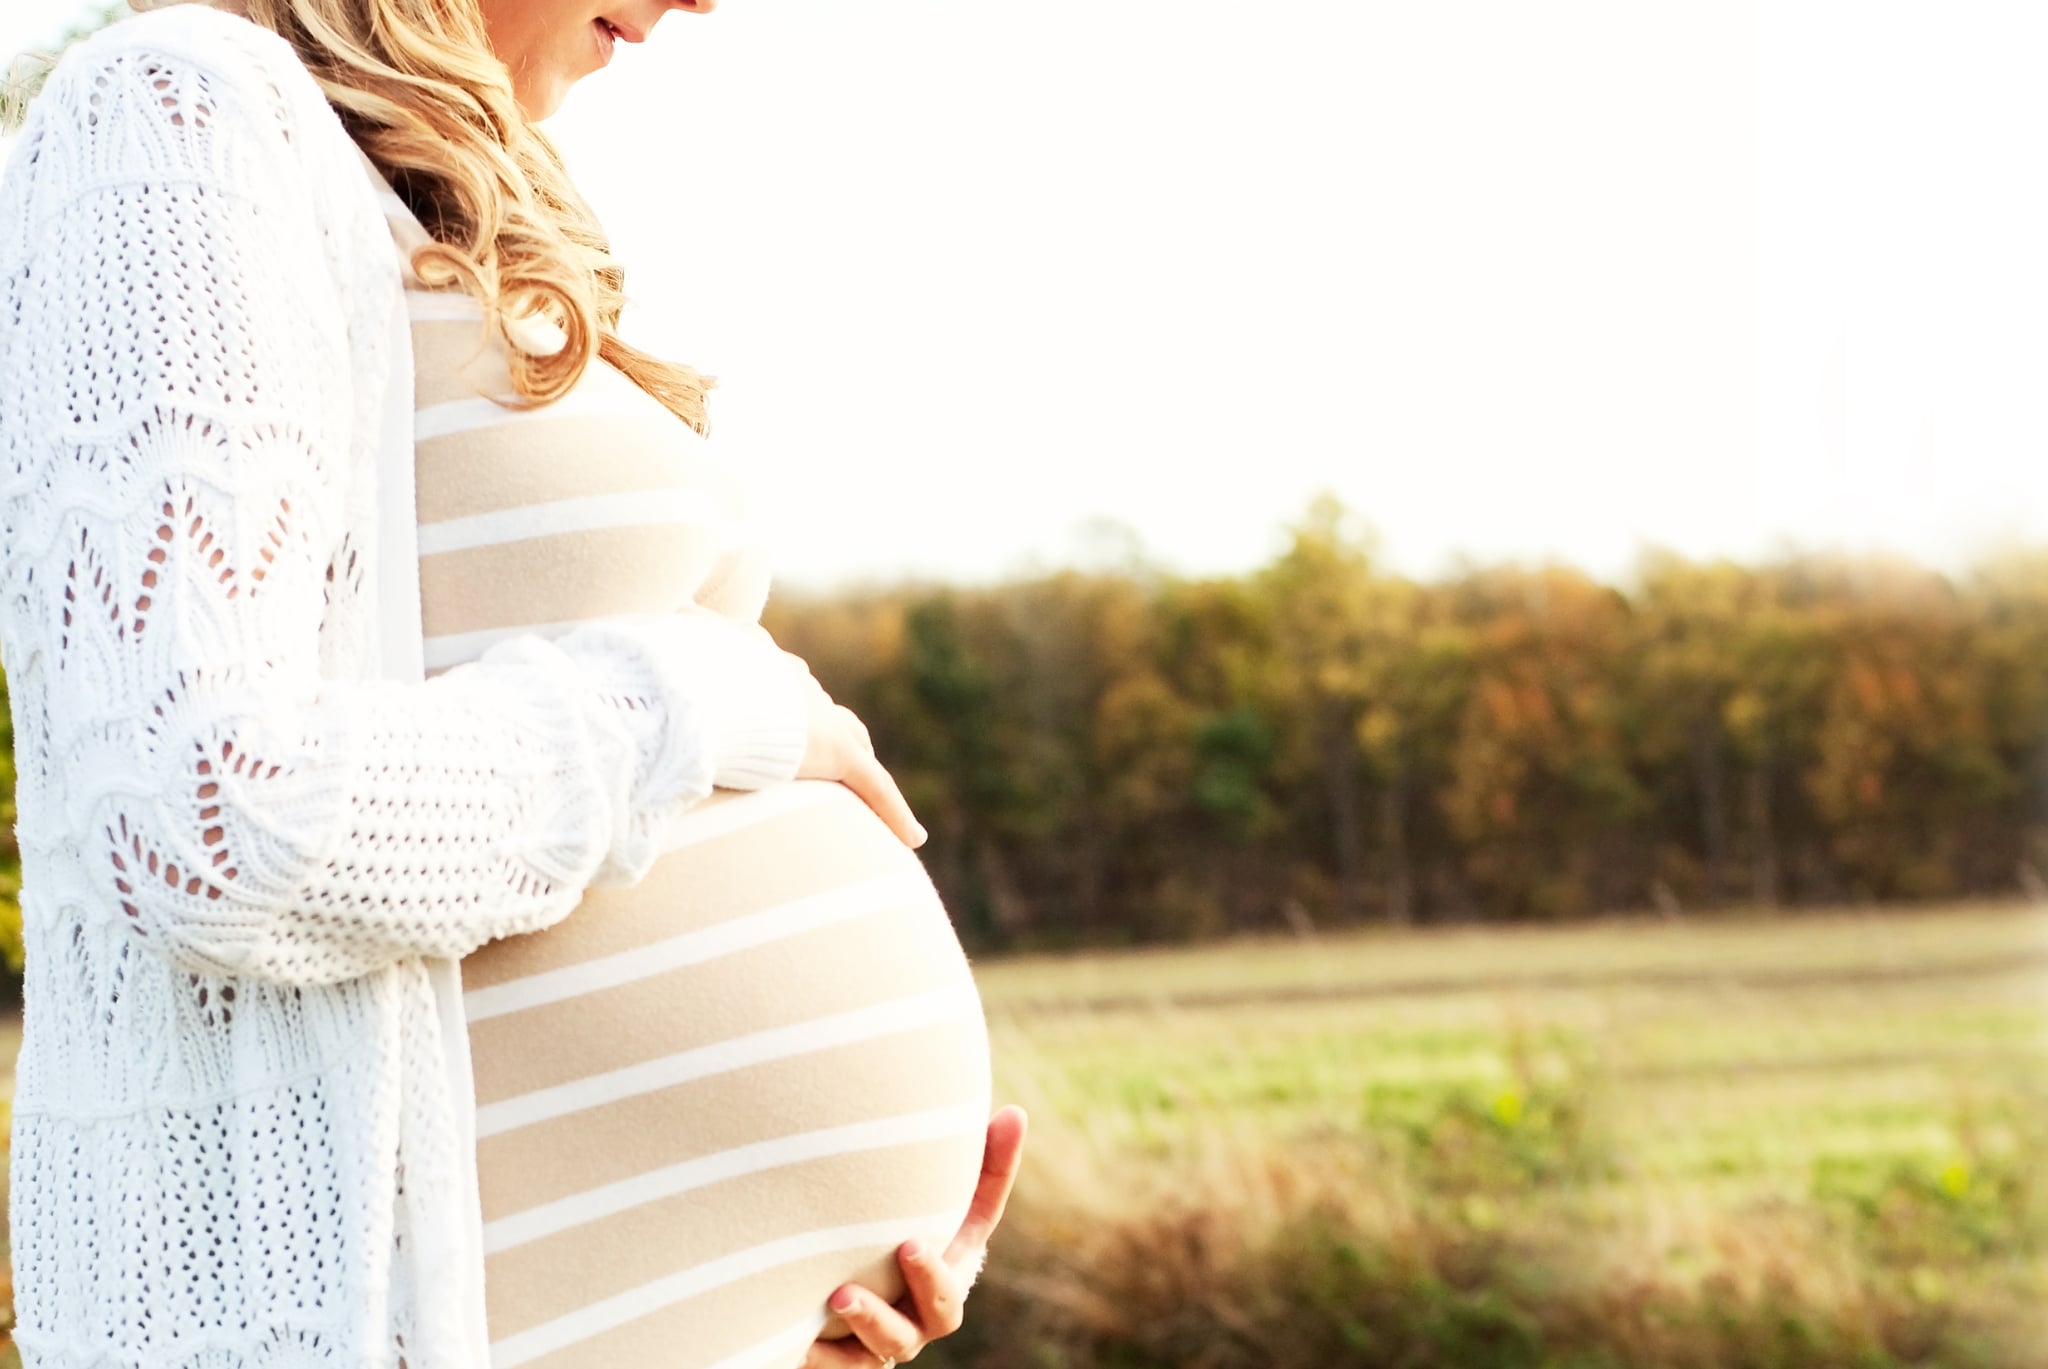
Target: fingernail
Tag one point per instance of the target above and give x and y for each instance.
(911, 1250)
(922, 835)
(842, 1301)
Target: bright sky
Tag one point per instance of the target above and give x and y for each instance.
(1514, 280)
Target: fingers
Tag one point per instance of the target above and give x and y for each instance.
(937, 1290)
(860, 729)
(886, 1332)
(937, 1286)
(877, 787)
(839, 748)
(1000, 1161)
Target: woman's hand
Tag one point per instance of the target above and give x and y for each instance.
(887, 1334)
(840, 750)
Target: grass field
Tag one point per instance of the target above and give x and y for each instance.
(1807, 1141)
(1799, 1141)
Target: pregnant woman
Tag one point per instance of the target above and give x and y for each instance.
(726, 1049)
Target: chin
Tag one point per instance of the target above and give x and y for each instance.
(541, 95)
(538, 105)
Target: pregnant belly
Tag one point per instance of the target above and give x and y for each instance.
(705, 1101)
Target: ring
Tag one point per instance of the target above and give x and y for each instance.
(889, 1362)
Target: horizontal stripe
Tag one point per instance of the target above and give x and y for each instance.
(603, 1202)
(535, 334)
(739, 853)
(547, 456)
(443, 306)
(897, 951)
(456, 648)
(750, 1324)
(692, 948)
(584, 513)
(781, 1350)
(525, 1287)
(652, 1297)
(593, 397)
(644, 569)
(861, 1024)
(708, 822)
(863, 1081)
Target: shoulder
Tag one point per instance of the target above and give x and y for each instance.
(182, 91)
(211, 44)
(190, 144)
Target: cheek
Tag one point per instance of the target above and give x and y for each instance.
(540, 33)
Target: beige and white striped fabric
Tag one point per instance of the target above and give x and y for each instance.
(706, 1100)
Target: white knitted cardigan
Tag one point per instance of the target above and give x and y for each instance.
(254, 840)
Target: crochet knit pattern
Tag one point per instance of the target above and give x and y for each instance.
(235, 1143)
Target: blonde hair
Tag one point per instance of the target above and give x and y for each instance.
(417, 86)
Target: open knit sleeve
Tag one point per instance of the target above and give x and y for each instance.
(184, 445)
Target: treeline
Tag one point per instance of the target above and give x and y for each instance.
(1122, 755)
(1118, 756)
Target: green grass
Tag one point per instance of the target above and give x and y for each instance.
(1783, 1040)
(1797, 1143)
(1821, 1123)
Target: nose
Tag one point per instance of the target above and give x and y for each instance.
(692, 6)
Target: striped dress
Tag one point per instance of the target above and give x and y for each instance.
(705, 1100)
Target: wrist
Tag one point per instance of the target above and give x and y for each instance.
(761, 720)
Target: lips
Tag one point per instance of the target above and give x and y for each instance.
(623, 32)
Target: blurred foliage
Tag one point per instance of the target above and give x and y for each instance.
(1119, 756)
(1125, 756)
